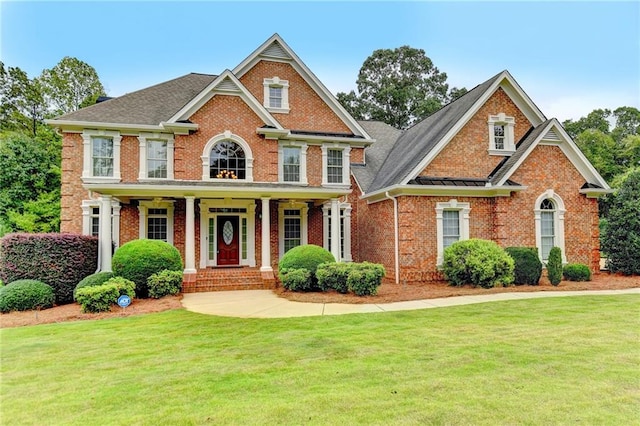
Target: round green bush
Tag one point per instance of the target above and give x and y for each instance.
(164, 283)
(139, 259)
(479, 262)
(296, 279)
(528, 267)
(307, 257)
(92, 280)
(576, 272)
(23, 295)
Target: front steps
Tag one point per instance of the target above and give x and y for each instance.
(224, 279)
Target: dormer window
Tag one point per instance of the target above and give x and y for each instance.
(276, 95)
(501, 135)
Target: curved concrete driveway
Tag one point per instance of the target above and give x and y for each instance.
(265, 304)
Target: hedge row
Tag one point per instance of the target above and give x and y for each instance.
(360, 278)
(59, 260)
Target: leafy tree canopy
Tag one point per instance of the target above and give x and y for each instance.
(398, 86)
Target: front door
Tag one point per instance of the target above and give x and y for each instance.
(228, 241)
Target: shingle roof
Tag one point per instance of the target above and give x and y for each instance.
(147, 106)
(417, 141)
(522, 146)
(385, 137)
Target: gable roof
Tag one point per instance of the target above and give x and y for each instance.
(374, 155)
(419, 144)
(149, 106)
(275, 49)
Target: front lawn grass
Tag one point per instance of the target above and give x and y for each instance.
(572, 360)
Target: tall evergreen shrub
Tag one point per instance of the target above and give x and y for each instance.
(554, 266)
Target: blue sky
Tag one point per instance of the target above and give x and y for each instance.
(570, 57)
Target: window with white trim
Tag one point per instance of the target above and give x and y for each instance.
(291, 164)
(292, 225)
(156, 220)
(91, 219)
(501, 134)
(276, 95)
(452, 224)
(345, 230)
(335, 164)
(549, 214)
(227, 156)
(101, 155)
(156, 156)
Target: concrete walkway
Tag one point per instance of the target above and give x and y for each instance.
(265, 303)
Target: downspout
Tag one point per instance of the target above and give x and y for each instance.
(395, 234)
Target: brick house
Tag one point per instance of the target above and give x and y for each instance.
(235, 169)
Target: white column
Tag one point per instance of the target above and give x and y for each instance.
(105, 233)
(347, 234)
(115, 232)
(266, 237)
(190, 237)
(335, 229)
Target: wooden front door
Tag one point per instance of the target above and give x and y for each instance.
(228, 241)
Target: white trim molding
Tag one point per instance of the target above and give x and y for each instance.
(304, 220)
(558, 222)
(144, 139)
(143, 210)
(87, 166)
(276, 82)
(464, 210)
(303, 161)
(509, 146)
(345, 219)
(248, 156)
(88, 214)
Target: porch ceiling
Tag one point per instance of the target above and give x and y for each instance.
(201, 189)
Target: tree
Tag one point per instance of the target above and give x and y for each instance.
(29, 184)
(22, 104)
(600, 150)
(627, 123)
(69, 84)
(398, 86)
(621, 236)
(596, 120)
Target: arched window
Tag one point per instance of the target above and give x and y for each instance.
(227, 161)
(549, 214)
(227, 156)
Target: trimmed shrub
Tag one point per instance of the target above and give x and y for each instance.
(365, 278)
(59, 260)
(23, 295)
(296, 279)
(100, 298)
(479, 262)
(139, 259)
(554, 266)
(576, 272)
(307, 257)
(164, 282)
(333, 275)
(527, 265)
(92, 281)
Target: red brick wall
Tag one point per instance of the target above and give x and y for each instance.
(129, 158)
(307, 110)
(466, 155)
(72, 192)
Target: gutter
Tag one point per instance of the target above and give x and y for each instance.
(396, 235)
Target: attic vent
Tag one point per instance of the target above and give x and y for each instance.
(228, 85)
(275, 50)
(551, 136)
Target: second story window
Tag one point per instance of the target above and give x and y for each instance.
(227, 161)
(102, 156)
(501, 135)
(276, 95)
(335, 164)
(156, 156)
(291, 164)
(157, 159)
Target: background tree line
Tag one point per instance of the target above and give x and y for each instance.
(29, 149)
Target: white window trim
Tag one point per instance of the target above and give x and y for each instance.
(144, 138)
(465, 210)
(250, 215)
(87, 169)
(346, 158)
(558, 222)
(248, 156)
(143, 209)
(277, 82)
(304, 228)
(509, 135)
(88, 205)
(345, 209)
(303, 161)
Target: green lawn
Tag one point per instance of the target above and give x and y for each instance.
(573, 360)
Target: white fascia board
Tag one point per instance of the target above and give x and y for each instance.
(340, 139)
(440, 190)
(595, 192)
(210, 91)
(78, 126)
(522, 100)
(307, 75)
(537, 114)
